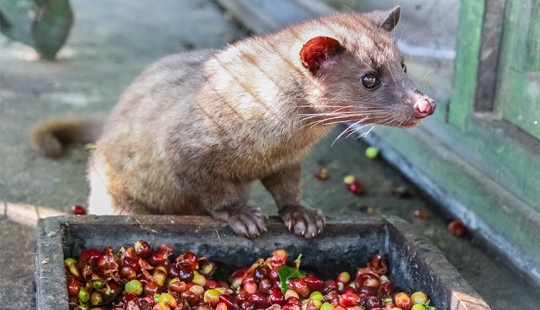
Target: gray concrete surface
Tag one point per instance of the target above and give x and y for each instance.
(108, 47)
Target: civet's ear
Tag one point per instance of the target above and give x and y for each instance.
(318, 50)
(386, 19)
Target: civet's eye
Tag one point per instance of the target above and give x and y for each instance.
(404, 67)
(371, 80)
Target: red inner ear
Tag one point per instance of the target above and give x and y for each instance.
(318, 50)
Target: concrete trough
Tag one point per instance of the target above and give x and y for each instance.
(346, 244)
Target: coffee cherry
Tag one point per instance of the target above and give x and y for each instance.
(78, 210)
(292, 300)
(276, 297)
(132, 263)
(379, 264)
(314, 283)
(229, 301)
(250, 287)
(332, 297)
(321, 174)
(70, 264)
(185, 273)
(291, 294)
(210, 284)
(143, 249)
(151, 288)
(211, 296)
(112, 288)
(373, 302)
(106, 263)
(316, 296)
(89, 255)
(290, 307)
(97, 284)
(386, 289)
(160, 275)
(348, 300)
(128, 273)
(247, 305)
(348, 288)
(221, 306)
(259, 300)
(206, 268)
(419, 298)
(418, 307)
(96, 298)
(134, 287)
(326, 306)
(367, 290)
(142, 278)
(299, 286)
(190, 298)
(456, 228)
(330, 285)
(403, 301)
(83, 295)
(372, 152)
(73, 302)
(278, 259)
(261, 272)
(161, 306)
(265, 285)
(273, 274)
(198, 279)
(127, 297)
(373, 282)
(312, 304)
(177, 286)
(197, 290)
(73, 286)
(188, 258)
(353, 185)
(242, 296)
(156, 259)
(237, 278)
(344, 278)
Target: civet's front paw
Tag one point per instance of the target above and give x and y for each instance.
(303, 220)
(246, 221)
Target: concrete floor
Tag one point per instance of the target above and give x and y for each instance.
(109, 45)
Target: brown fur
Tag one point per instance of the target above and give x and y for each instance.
(194, 130)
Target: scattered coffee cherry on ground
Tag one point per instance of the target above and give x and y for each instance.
(457, 228)
(372, 152)
(353, 185)
(321, 174)
(78, 210)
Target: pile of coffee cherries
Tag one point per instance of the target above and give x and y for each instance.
(139, 278)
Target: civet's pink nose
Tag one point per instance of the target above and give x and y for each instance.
(424, 107)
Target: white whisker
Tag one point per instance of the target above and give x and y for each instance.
(425, 75)
(349, 128)
(365, 133)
